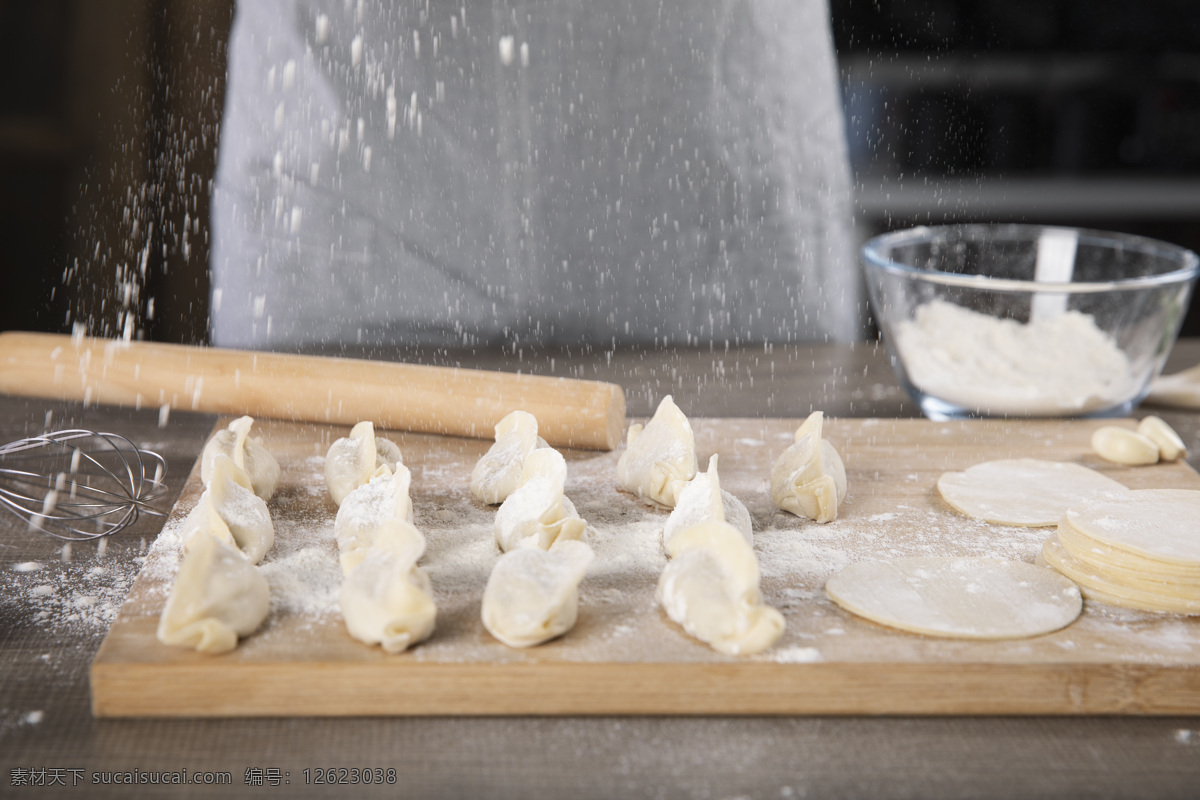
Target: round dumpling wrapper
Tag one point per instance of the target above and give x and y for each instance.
(1118, 562)
(1103, 587)
(1162, 524)
(964, 598)
(1022, 491)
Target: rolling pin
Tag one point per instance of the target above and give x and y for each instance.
(410, 397)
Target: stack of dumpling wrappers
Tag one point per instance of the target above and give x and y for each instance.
(1139, 549)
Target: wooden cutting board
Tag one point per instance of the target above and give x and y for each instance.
(624, 656)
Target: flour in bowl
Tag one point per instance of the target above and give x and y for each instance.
(1049, 367)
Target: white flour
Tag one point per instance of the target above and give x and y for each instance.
(797, 655)
(1049, 367)
(80, 596)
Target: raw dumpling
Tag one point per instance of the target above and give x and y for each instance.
(660, 458)
(710, 588)
(498, 472)
(703, 500)
(217, 597)
(537, 514)
(809, 479)
(379, 509)
(352, 461)
(533, 595)
(260, 466)
(230, 511)
(387, 600)
(391, 535)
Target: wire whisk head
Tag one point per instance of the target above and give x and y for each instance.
(79, 484)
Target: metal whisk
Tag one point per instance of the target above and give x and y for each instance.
(79, 485)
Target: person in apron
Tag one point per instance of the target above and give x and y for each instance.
(554, 171)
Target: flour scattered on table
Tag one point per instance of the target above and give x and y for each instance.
(70, 595)
(795, 655)
(303, 572)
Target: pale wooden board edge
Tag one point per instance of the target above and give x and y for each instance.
(130, 690)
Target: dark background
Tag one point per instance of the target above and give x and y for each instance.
(1053, 111)
(109, 113)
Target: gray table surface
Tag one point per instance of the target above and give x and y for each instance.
(48, 638)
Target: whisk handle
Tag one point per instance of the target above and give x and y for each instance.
(444, 400)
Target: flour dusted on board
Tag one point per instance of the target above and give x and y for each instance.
(1057, 366)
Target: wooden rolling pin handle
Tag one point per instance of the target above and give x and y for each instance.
(444, 400)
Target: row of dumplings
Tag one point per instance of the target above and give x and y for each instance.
(532, 593)
(710, 587)
(219, 594)
(386, 599)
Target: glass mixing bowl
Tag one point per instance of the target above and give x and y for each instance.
(1027, 320)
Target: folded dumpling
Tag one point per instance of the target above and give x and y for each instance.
(808, 479)
(351, 461)
(710, 588)
(218, 596)
(532, 595)
(703, 500)
(498, 472)
(537, 514)
(230, 511)
(248, 454)
(387, 600)
(659, 458)
(379, 509)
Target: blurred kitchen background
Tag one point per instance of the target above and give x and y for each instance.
(1073, 112)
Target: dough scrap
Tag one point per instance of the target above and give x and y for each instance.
(710, 588)
(497, 474)
(217, 597)
(703, 500)
(660, 457)
(1156, 429)
(1123, 446)
(532, 595)
(809, 479)
(352, 460)
(248, 454)
(1023, 492)
(967, 598)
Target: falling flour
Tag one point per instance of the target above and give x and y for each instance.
(1050, 367)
